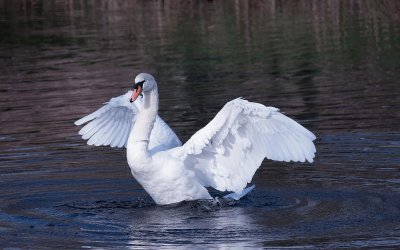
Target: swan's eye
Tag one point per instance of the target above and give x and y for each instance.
(137, 84)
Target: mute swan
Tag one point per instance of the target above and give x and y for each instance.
(224, 154)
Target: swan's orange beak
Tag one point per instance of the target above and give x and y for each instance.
(136, 93)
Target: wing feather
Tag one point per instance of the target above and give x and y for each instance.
(118, 135)
(91, 128)
(92, 115)
(113, 131)
(112, 123)
(226, 153)
(97, 138)
(96, 128)
(101, 135)
(123, 140)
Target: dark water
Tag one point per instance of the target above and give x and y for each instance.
(332, 65)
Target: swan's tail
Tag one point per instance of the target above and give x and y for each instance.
(236, 196)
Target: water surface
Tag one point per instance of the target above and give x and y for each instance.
(331, 65)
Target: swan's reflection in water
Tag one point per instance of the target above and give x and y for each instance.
(144, 224)
(207, 223)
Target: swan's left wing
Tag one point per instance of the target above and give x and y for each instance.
(112, 123)
(226, 153)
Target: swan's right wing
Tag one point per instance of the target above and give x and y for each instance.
(112, 124)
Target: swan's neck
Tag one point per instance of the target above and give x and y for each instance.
(139, 137)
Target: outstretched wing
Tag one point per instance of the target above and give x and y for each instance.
(226, 153)
(112, 123)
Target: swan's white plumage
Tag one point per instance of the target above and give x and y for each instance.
(224, 154)
(112, 123)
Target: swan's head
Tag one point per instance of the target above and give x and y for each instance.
(143, 83)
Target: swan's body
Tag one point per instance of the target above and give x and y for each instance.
(224, 154)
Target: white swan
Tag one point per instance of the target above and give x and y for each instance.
(224, 154)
